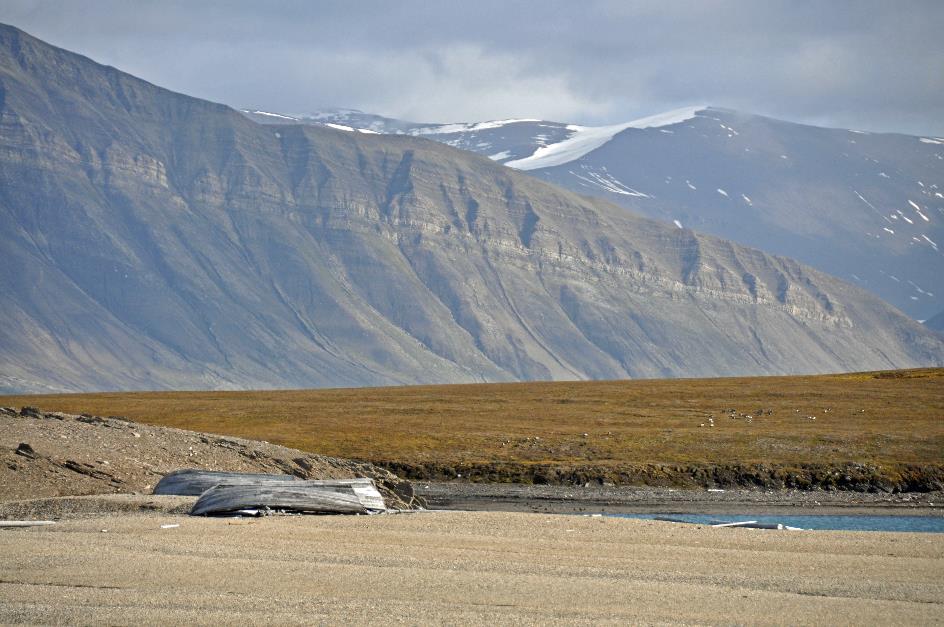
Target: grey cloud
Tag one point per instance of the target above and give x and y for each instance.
(868, 64)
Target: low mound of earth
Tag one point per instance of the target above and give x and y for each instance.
(48, 455)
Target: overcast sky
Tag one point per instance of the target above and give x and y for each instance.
(855, 64)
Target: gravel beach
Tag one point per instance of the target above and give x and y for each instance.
(461, 567)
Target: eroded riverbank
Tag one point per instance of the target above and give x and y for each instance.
(612, 499)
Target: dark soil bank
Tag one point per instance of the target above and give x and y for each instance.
(614, 500)
(850, 476)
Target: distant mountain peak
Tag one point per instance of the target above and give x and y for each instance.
(153, 240)
(588, 138)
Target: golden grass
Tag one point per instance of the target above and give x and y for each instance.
(891, 417)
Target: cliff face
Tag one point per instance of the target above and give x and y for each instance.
(154, 240)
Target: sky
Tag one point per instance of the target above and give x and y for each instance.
(869, 65)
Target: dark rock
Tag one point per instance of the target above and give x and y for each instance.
(26, 450)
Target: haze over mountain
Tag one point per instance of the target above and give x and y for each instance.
(152, 240)
(867, 207)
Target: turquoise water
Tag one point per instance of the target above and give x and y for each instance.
(926, 524)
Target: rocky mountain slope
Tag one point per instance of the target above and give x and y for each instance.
(153, 240)
(867, 207)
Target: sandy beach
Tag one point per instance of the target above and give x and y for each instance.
(457, 567)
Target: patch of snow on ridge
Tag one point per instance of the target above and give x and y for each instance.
(927, 140)
(350, 129)
(605, 181)
(447, 129)
(677, 223)
(918, 210)
(272, 115)
(498, 156)
(588, 138)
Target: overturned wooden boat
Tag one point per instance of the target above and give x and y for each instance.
(194, 482)
(229, 493)
(302, 497)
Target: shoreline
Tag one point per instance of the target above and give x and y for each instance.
(504, 497)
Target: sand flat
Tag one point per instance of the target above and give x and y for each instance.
(460, 567)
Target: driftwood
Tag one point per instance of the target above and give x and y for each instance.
(294, 496)
(746, 524)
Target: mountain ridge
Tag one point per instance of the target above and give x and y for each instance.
(868, 207)
(154, 240)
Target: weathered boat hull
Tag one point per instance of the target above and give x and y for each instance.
(296, 496)
(194, 482)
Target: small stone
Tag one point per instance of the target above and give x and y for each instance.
(26, 450)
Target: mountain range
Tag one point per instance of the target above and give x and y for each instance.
(153, 240)
(866, 207)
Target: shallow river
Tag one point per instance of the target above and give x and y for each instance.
(929, 524)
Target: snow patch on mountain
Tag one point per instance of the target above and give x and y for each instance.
(271, 115)
(605, 181)
(350, 129)
(588, 138)
(448, 129)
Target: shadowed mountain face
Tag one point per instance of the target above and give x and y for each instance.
(154, 240)
(936, 322)
(867, 207)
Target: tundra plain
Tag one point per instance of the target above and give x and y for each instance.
(802, 430)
